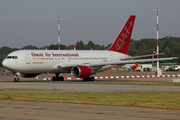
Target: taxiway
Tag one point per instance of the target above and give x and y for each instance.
(41, 110)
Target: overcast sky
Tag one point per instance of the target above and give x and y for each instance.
(33, 22)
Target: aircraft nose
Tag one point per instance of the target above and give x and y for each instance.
(5, 63)
(9, 64)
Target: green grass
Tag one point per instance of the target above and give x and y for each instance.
(152, 83)
(164, 100)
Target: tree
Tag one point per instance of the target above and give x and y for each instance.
(30, 47)
(70, 47)
(6, 50)
(152, 44)
(133, 52)
(2, 57)
(90, 45)
(53, 47)
(80, 46)
(62, 47)
(140, 46)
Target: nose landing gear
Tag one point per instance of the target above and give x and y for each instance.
(16, 78)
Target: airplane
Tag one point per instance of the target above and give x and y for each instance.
(80, 63)
(135, 66)
(5, 71)
(127, 66)
(130, 66)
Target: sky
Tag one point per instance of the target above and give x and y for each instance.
(33, 22)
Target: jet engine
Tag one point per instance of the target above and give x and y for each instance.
(81, 71)
(28, 75)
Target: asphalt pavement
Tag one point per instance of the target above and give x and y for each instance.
(22, 110)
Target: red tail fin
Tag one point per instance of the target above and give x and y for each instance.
(121, 43)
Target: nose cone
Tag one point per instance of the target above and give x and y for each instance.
(9, 64)
(5, 63)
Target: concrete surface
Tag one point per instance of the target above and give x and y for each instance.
(22, 110)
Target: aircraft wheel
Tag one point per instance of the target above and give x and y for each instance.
(54, 78)
(84, 79)
(16, 79)
(61, 78)
(58, 78)
(88, 79)
(92, 78)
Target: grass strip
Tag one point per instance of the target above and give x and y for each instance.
(28, 89)
(164, 100)
(151, 83)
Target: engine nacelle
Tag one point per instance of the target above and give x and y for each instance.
(28, 75)
(81, 71)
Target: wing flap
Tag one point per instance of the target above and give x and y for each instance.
(140, 56)
(133, 61)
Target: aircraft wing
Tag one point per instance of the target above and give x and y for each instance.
(140, 56)
(134, 61)
(116, 63)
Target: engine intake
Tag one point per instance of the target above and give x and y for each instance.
(81, 71)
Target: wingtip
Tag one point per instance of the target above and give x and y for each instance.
(174, 57)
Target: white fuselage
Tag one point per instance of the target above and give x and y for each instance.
(46, 61)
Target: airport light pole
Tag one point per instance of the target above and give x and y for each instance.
(158, 10)
(74, 33)
(58, 31)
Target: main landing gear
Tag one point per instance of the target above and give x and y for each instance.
(89, 79)
(57, 77)
(61, 78)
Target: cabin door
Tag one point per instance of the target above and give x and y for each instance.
(111, 58)
(28, 59)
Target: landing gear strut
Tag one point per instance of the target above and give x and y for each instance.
(16, 79)
(58, 78)
(16, 76)
(89, 79)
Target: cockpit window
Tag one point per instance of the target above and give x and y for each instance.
(9, 57)
(12, 57)
(15, 57)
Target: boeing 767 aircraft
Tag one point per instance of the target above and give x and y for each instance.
(80, 63)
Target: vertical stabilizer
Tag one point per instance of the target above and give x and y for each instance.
(121, 43)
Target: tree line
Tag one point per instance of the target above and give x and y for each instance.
(168, 45)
